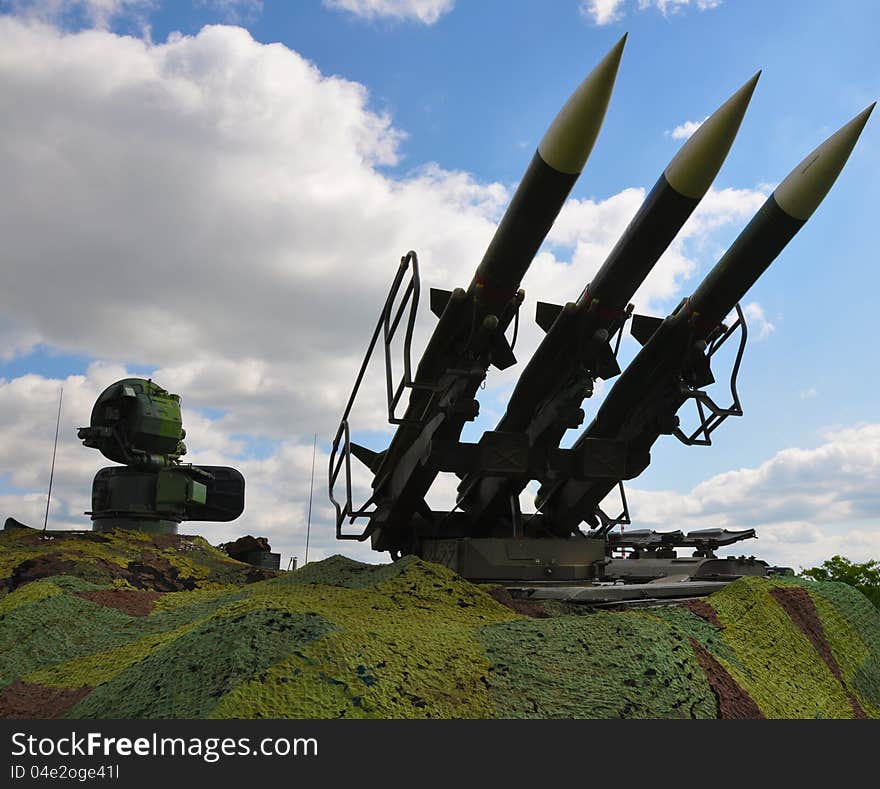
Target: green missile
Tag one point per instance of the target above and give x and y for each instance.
(642, 404)
(782, 215)
(575, 350)
(556, 165)
(469, 335)
(670, 203)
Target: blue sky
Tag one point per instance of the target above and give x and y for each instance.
(273, 188)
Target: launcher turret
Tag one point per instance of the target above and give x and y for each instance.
(486, 536)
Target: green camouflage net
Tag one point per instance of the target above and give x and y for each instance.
(340, 638)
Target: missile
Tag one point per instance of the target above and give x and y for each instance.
(642, 404)
(469, 335)
(556, 165)
(575, 350)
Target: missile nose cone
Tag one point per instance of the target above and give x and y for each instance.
(567, 143)
(806, 186)
(698, 161)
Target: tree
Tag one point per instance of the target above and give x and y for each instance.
(865, 576)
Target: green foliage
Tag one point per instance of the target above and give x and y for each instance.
(864, 576)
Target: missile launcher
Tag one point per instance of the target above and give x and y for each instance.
(486, 537)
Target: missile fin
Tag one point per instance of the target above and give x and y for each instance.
(606, 362)
(439, 300)
(502, 353)
(643, 327)
(546, 314)
(372, 460)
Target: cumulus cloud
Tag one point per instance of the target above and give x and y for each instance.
(685, 130)
(592, 228)
(425, 11)
(805, 503)
(218, 211)
(667, 7)
(756, 318)
(759, 327)
(604, 12)
(218, 208)
(232, 226)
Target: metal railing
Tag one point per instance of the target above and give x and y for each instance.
(709, 422)
(389, 321)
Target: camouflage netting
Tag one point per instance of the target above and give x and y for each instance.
(131, 559)
(411, 639)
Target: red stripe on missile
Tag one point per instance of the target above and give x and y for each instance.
(490, 293)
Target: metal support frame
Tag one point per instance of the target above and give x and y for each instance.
(389, 328)
(617, 336)
(606, 522)
(387, 325)
(347, 509)
(701, 436)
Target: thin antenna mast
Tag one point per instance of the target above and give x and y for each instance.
(54, 450)
(311, 488)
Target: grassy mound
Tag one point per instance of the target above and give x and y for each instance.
(413, 640)
(133, 559)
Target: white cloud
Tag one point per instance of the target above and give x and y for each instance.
(756, 321)
(425, 11)
(592, 229)
(217, 210)
(685, 130)
(15, 340)
(604, 12)
(218, 213)
(754, 313)
(667, 7)
(806, 504)
(722, 207)
(232, 227)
